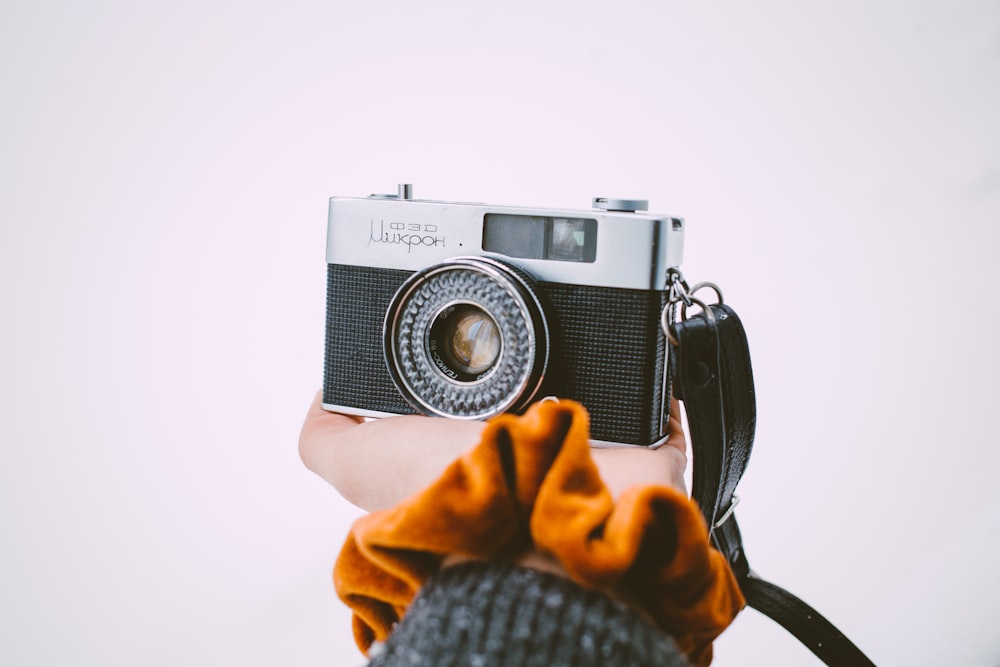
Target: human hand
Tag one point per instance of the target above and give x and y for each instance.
(377, 464)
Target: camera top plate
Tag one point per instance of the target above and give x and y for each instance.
(634, 249)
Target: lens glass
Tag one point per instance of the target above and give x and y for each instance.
(464, 342)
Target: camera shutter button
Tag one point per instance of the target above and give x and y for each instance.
(404, 191)
(623, 205)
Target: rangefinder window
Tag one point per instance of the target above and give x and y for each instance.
(572, 240)
(538, 237)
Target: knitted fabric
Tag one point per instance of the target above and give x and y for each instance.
(497, 615)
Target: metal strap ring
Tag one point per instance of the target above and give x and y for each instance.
(665, 317)
(712, 286)
(701, 304)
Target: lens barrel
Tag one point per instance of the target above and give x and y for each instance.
(467, 338)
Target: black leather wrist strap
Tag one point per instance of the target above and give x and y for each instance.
(713, 377)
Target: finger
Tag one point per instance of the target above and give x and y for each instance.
(625, 467)
(319, 419)
(621, 468)
(676, 439)
(379, 463)
(319, 429)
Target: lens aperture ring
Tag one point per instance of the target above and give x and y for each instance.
(508, 298)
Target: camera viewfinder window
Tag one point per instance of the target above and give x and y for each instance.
(515, 235)
(536, 237)
(572, 240)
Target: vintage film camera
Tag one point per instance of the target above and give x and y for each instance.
(468, 310)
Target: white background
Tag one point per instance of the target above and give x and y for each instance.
(164, 170)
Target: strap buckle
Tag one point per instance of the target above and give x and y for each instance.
(728, 513)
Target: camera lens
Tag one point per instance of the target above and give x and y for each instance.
(467, 338)
(464, 342)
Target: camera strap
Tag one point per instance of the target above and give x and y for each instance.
(712, 376)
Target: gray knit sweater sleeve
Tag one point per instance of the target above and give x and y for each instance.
(498, 615)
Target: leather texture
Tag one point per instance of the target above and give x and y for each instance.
(715, 380)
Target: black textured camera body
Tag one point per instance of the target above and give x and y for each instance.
(607, 351)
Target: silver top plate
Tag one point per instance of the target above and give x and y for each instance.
(634, 250)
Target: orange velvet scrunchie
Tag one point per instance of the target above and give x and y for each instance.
(531, 483)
